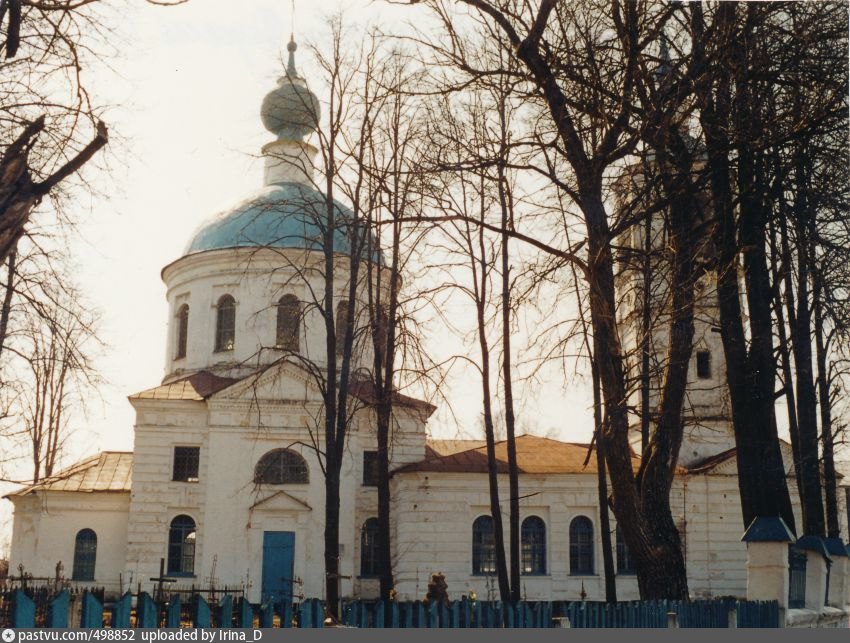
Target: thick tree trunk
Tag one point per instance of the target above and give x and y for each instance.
(829, 480)
(385, 569)
(782, 263)
(332, 576)
(507, 382)
(646, 336)
(801, 340)
(657, 554)
(761, 474)
(602, 489)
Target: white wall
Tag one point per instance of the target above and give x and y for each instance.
(46, 526)
(435, 533)
(256, 278)
(233, 430)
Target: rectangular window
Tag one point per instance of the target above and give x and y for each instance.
(370, 468)
(186, 461)
(703, 365)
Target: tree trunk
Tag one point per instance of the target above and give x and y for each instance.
(801, 340)
(7, 298)
(761, 474)
(602, 490)
(646, 336)
(489, 434)
(507, 378)
(784, 260)
(829, 487)
(332, 577)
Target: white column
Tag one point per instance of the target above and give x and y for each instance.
(815, 580)
(767, 572)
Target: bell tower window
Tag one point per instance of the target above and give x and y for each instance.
(703, 365)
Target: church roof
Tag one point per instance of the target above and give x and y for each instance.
(534, 455)
(195, 387)
(709, 463)
(364, 391)
(280, 215)
(437, 448)
(106, 471)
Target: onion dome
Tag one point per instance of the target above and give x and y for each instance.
(290, 111)
(284, 215)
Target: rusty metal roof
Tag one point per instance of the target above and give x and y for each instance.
(364, 390)
(534, 455)
(438, 448)
(197, 387)
(106, 471)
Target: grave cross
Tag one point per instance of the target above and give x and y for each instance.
(162, 579)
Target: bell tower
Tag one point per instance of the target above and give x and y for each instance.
(644, 302)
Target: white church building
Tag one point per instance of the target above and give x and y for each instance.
(224, 484)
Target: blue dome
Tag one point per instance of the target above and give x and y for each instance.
(282, 215)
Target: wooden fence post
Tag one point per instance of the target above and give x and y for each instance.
(58, 608)
(23, 610)
(225, 611)
(92, 615)
(201, 614)
(246, 613)
(455, 615)
(395, 621)
(380, 614)
(267, 613)
(147, 611)
(121, 611)
(172, 612)
(286, 614)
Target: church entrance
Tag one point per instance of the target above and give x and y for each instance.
(278, 557)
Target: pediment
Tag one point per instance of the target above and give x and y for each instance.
(280, 381)
(278, 501)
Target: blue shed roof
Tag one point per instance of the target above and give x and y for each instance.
(282, 215)
(771, 529)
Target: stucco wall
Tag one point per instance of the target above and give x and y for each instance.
(256, 279)
(46, 526)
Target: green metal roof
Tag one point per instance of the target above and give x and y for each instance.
(283, 215)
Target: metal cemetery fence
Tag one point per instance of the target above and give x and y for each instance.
(19, 608)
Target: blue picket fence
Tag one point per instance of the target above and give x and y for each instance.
(465, 613)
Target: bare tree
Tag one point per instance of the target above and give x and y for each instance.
(47, 380)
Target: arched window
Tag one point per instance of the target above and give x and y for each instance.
(369, 548)
(533, 539)
(181, 546)
(288, 319)
(182, 331)
(225, 325)
(281, 466)
(483, 546)
(341, 325)
(581, 546)
(85, 553)
(625, 564)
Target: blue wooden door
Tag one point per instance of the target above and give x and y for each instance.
(278, 555)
